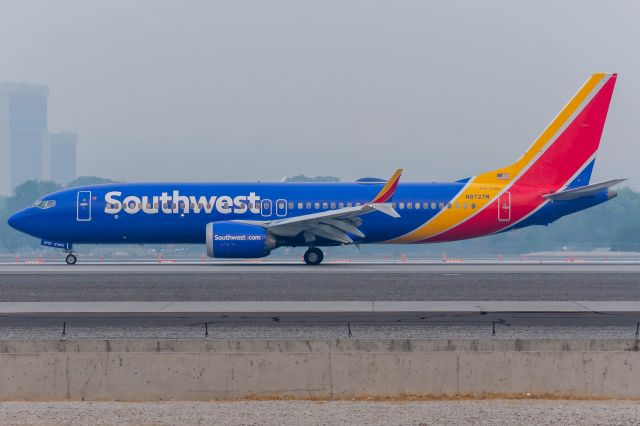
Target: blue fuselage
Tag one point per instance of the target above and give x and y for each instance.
(179, 213)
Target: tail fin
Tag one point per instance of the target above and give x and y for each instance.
(560, 158)
(564, 153)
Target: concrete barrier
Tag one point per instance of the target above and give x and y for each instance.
(352, 368)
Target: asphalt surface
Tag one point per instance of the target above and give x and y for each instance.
(327, 319)
(332, 282)
(348, 282)
(447, 325)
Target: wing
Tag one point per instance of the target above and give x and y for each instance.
(334, 225)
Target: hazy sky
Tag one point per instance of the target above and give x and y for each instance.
(241, 90)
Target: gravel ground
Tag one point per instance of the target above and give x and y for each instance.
(310, 332)
(482, 412)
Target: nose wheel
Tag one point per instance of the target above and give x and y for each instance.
(313, 256)
(71, 259)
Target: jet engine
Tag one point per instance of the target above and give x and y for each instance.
(230, 240)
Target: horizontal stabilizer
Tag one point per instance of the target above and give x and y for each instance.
(583, 191)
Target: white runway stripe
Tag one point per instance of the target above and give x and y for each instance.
(317, 307)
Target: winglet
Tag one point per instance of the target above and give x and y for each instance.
(389, 188)
(386, 208)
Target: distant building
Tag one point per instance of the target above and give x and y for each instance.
(27, 150)
(23, 129)
(63, 156)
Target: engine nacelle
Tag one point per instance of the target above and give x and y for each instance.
(238, 240)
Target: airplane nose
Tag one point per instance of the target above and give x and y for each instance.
(17, 220)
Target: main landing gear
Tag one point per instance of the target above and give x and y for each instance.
(313, 256)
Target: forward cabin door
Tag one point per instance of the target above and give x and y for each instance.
(83, 206)
(504, 207)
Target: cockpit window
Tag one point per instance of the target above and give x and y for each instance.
(44, 204)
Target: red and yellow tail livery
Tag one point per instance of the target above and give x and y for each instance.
(565, 148)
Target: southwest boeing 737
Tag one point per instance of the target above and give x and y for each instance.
(249, 220)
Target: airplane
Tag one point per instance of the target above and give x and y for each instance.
(249, 220)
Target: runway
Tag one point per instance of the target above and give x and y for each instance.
(320, 319)
(293, 282)
(270, 266)
(259, 300)
(574, 325)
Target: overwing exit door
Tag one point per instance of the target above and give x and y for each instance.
(266, 207)
(83, 205)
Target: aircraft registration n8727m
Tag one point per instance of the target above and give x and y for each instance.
(249, 220)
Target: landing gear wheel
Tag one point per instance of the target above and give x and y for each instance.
(71, 259)
(313, 256)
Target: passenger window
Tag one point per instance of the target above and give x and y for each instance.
(409, 205)
(333, 205)
(465, 205)
(290, 206)
(457, 205)
(448, 205)
(433, 206)
(308, 205)
(417, 206)
(349, 204)
(441, 206)
(316, 205)
(300, 206)
(473, 205)
(341, 204)
(425, 206)
(401, 205)
(325, 205)
(358, 204)
(281, 205)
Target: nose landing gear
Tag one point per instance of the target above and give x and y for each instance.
(313, 256)
(71, 258)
